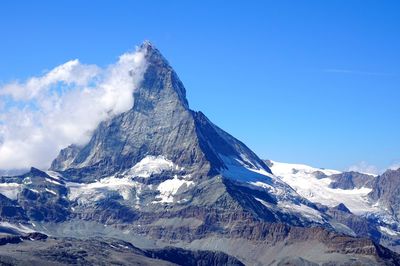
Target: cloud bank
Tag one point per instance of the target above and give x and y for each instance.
(395, 166)
(44, 114)
(364, 167)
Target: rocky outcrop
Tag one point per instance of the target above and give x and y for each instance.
(39, 197)
(351, 180)
(101, 251)
(360, 225)
(386, 190)
(43, 197)
(188, 258)
(10, 210)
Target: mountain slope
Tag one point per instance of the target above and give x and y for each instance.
(386, 190)
(159, 124)
(365, 203)
(188, 149)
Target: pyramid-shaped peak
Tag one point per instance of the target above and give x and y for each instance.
(160, 123)
(148, 47)
(153, 55)
(147, 44)
(160, 80)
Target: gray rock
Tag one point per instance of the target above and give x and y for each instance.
(41, 198)
(351, 180)
(40, 250)
(386, 189)
(160, 123)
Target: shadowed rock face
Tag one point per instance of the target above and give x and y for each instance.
(351, 180)
(386, 189)
(11, 210)
(361, 226)
(39, 197)
(188, 258)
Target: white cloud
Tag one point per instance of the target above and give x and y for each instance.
(64, 106)
(72, 72)
(394, 166)
(364, 167)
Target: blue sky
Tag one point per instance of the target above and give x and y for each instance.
(314, 82)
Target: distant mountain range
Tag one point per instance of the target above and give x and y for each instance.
(161, 184)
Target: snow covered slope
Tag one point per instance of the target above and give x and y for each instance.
(313, 184)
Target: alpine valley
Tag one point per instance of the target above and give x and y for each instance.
(160, 184)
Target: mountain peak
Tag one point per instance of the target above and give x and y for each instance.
(160, 123)
(149, 47)
(153, 55)
(147, 43)
(160, 80)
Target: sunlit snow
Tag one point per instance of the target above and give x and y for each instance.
(303, 179)
(170, 187)
(10, 190)
(151, 165)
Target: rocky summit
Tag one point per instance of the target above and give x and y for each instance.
(161, 184)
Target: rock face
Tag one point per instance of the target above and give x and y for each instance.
(167, 174)
(187, 258)
(11, 210)
(159, 124)
(351, 180)
(386, 190)
(360, 225)
(34, 195)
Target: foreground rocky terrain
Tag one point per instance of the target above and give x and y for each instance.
(39, 249)
(161, 183)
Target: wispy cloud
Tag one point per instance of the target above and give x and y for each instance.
(356, 72)
(46, 113)
(366, 168)
(395, 166)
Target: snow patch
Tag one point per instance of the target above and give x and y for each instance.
(282, 169)
(51, 191)
(27, 180)
(388, 231)
(259, 177)
(10, 190)
(18, 227)
(54, 175)
(238, 170)
(151, 165)
(303, 179)
(95, 191)
(170, 187)
(53, 181)
(305, 211)
(263, 202)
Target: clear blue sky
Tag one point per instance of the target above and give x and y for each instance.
(316, 82)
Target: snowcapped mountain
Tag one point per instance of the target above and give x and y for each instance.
(161, 174)
(351, 191)
(160, 151)
(316, 185)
